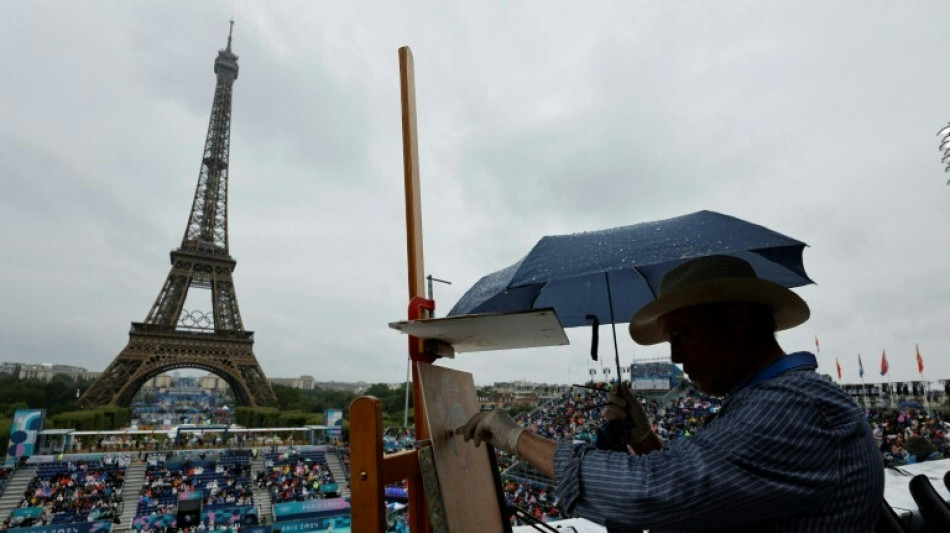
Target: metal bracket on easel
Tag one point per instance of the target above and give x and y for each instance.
(418, 304)
(425, 350)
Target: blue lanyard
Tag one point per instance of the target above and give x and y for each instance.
(792, 361)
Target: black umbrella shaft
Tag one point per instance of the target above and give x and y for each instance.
(613, 329)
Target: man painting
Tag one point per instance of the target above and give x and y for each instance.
(788, 450)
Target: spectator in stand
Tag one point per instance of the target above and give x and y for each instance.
(920, 449)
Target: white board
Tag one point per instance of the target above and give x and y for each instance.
(482, 333)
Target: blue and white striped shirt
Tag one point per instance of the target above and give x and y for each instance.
(793, 453)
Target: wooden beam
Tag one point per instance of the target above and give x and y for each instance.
(367, 506)
(410, 159)
(418, 514)
(400, 466)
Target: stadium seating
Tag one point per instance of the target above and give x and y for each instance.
(297, 476)
(5, 474)
(71, 492)
(224, 483)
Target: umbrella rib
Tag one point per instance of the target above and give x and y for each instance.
(645, 281)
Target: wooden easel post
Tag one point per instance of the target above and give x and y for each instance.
(370, 470)
(367, 506)
(418, 515)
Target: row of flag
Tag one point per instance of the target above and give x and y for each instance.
(885, 367)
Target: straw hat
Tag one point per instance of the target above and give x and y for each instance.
(715, 279)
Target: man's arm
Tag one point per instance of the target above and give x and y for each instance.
(503, 433)
(538, 451)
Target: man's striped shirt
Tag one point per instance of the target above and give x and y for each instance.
(793, 453)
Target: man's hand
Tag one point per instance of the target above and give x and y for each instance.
(623, 407)
(496, 427)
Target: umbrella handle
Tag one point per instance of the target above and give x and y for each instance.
(613, 328)
(594, 336)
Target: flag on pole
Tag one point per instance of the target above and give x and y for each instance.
(860, 367)
(920, 361)
(817, 348)
(884, 366)
(837, 364)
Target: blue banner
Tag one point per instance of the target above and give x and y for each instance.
(155, 521)
(230, 515)
(333, 418)
(27, 423)
(311, 509)
(340, 524)
(28, 512)
(396, 493)
(188, 463)
(78, 527)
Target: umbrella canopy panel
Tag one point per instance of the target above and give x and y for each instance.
(570, 273)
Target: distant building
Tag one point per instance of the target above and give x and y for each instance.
(213, 382)
(47, 371)
(355, 387)
(302, 382)
(161, 381)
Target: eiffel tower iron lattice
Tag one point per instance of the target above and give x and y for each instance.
(172, 337)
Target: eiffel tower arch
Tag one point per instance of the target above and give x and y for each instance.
(172, 337)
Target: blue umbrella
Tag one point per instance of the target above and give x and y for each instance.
(606, 276)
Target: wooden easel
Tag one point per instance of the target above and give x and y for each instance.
(370, 470)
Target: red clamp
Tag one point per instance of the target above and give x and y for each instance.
(417, 345)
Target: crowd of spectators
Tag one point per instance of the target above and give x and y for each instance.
(574, 415)
(222, 483)
(72, 491)
(397, 438)
(577, 414)
(297, 477)
(908, 436)
(681, 417)
(538, 500)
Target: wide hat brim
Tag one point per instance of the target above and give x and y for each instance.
(788, 309)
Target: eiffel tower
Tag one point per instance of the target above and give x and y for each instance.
(172, 337)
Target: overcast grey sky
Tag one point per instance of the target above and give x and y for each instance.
(817, 120)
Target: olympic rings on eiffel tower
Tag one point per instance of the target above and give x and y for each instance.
(196, 320)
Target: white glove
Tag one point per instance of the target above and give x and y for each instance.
(496, 427)
(623, 406)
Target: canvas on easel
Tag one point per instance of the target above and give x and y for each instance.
(468, 484)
